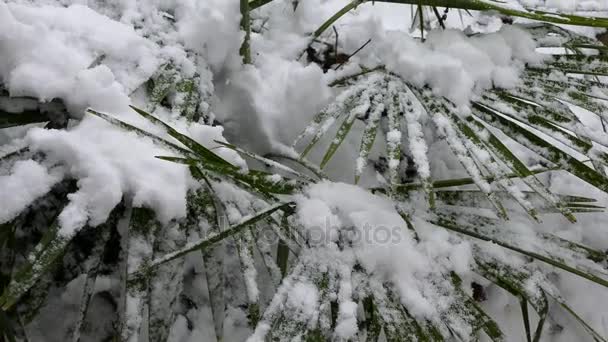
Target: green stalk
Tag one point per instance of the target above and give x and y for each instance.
(524, 313)
(479, 5)
(258, 3)
(335, 17)
(421, 18)
(245, 50)
(475, 5)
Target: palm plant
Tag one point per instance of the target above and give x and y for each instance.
(245, 236)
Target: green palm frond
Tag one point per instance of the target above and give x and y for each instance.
(538, 114)
(254, 239)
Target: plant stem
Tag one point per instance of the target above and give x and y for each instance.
(476, 5)
(421, 19)
(258, 3)
(336, 16)
(479, 5)
(245, 50)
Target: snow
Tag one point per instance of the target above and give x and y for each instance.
(211, 28)
(100, 54)
(456, 66)
(447, 131)
(414, 116)
(109, 163)
(47, 52)
(27, 181)
(567, 6)
(303, 297)
(383, 246)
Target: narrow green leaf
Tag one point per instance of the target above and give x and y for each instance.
(328, 116)
(448, 126)
(302, 162)
(596, 336)
(6, 328)
(206, 242)
(369, 136)
(464, 307)
(541, 146)
(475, 231)
(527, 176)
(197, 148)
(446, 183)
(519, 283)
(393, 134)
(417, 144)
(282, 257)
(20, 119)
(50, 248)
(268, 162)
(343, 131)
(188, 98)
(140, 131)
(161, 85)
(143, 228)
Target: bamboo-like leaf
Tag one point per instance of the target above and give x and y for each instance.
(527, 176)
(596, 336)
(282, 257)
(302, 162)
(369, 135)
(373, 326)
(475, 5)
(188, 98)
(200, 150)
(93, 264)
(245, 50)
(519, 283)
(161, 85)
(361, 109)
(502, 177)
(385, 312)
(549, 35)
(211, 207)
(166, 284)
(204, 243)
(268, 162)
(265, 246)
(328, 116)
(581, 64)
(481, 232)
(447, 128)
(280, 324)
(465, 308)
(337, 141)
(542, 147)
(477, 199)
(143, 228)
(561, 128)
(6, 328)
(393, 134)
(85, 300)
(245, 250)
(447, 183)
(129, 127)
(49, 249)
(19, 119)
(417, 144)
(260, 181)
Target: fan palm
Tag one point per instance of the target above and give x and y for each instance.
(244, 234)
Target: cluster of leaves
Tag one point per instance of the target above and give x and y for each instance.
(231, 243)
(537, 115)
